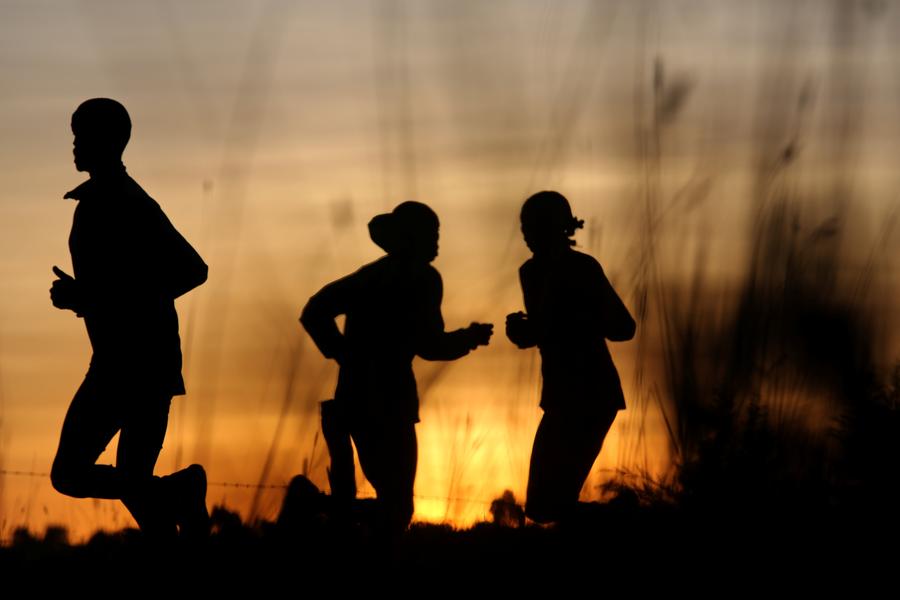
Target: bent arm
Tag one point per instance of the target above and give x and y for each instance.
(176, 266)
(532, 328)
(455, 344)
(189, 271)
(432, 342)
(319, 314)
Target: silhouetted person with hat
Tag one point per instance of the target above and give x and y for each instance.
(571, 311)
(393, 313)
(129, 265)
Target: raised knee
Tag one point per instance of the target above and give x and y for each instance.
(64, 479)
(60, 483)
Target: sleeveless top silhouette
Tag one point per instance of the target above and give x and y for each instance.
(573, 309)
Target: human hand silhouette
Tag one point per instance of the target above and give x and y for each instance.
(518, 329)
(479, 334)
(64, 292)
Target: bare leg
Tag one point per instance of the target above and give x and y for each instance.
(341, 475)
(388, 455)
(91, 422)
(93, 418)
(140, 442)
(565, 448)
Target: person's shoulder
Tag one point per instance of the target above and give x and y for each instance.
(137, 196)
(419, 276)
(423, 276)
(584, 261)
(527, 266)
(432, 283)
(369, 272)
(376, 266)
(431, 273)
(415, 270)
(431, 276)
(146, 213)
(83, 190)
(582, 257)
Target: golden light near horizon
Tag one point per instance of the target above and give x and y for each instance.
(271, 132)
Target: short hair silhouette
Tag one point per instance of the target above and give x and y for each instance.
(104, 122)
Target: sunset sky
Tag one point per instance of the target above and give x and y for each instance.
(271, 132)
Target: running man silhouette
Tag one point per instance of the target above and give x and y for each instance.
(393, 313)
(571, 311)
(129, 266)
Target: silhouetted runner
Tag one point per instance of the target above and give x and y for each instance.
(129, 266)
(571, 311)
(393, 313)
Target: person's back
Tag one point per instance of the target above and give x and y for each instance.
(130, 264)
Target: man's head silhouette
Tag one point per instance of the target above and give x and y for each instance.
(102, 128)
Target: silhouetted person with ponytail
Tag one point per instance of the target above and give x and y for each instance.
(571, 311)
(129, 265)
(393, 313)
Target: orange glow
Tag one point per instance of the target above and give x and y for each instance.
(270, 133)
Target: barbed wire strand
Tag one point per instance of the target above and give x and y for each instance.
(282, 486)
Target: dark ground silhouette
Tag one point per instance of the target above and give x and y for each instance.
(621, 544)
